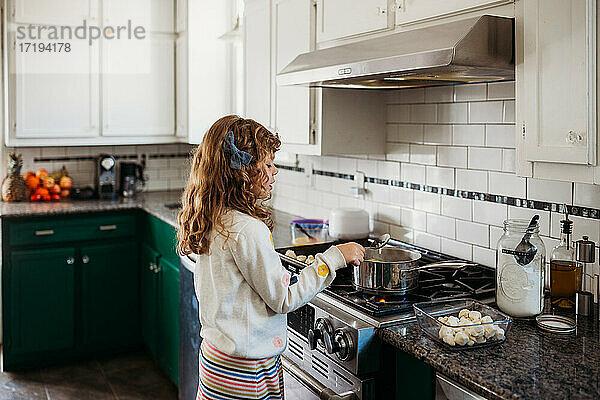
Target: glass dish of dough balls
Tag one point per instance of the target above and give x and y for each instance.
(462, 324)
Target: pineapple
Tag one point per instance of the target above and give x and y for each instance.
(13, 186)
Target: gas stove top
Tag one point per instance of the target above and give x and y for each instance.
(474, 281)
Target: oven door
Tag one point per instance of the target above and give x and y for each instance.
(301, 386)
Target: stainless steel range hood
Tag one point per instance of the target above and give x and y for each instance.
(466, 51)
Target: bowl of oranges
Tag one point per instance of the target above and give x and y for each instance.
(45, 187)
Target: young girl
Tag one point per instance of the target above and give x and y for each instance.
(243, 290)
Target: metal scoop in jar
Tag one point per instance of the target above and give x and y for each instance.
(525, 251)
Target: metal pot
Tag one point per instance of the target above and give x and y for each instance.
(387, 270)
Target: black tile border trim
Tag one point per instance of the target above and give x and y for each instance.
(116, 156)
(289, 168)
(578, 211)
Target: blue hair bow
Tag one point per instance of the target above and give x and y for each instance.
(238, 157)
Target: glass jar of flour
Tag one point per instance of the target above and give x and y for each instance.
(520, 264)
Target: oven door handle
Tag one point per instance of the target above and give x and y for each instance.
(314, 385)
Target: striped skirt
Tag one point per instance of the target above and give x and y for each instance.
(223, 377)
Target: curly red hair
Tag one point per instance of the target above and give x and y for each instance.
(214, 187)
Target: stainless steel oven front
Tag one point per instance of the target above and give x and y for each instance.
(327, 355)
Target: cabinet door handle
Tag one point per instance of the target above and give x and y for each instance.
(46, 232)
(85, 259)
(107, 227)
(70, 260)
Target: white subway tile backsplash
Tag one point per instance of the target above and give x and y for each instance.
(437, 134)
(379, 227)
(507, 184)
(441, 226)
(468, 135)
(452, 156)
(528, 213)
(410, 133)
(550, 191)
(471, 92)
(369, 167)
(439, 94)
(485, 158)
(471, 232)
(406, 96)
(427, 240)
(398, 113)
(489, 213)
(457, 249)
(427, 201)
(484, 256)
(500, 136)
(347, 165)
(474, 181)
(388, 170)
(486, 112)
(586, 195)
(378, 193)
(495, 234)
(415, 219)
(423, 113)
(501, 90)
(457, 207)
(440, 177)
(400, 233)
(452, 113)
(509, 157)
(422, 154)
(412, 173)
(402, 196)
(388, 213)
(509, 111)
(397, 152)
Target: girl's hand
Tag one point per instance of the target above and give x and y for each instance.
(353, 253)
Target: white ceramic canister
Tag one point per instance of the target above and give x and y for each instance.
(348, 223)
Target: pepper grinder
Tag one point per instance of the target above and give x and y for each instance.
(586, 253)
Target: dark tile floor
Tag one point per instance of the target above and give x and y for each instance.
(132, 376)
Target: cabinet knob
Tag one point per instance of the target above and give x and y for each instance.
(157, 270)
(381, 11)
(85, 259)
(152, 266)
(70, 260)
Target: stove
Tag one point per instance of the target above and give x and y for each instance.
(332, 340)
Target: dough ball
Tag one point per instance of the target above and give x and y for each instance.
(301, 258)
(480, 339)
(486, 319)
(464, 322)
(444, 331)
(461, 338)
(453, 321)
(471, 342)
(449, 339)
(489, 331)
(290, 253)
(499, 333)
(464, 313)
(476, 331)
(310, 259)
(474, 315)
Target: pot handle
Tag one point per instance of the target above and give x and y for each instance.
(446, 264)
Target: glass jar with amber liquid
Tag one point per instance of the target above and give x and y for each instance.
(565, 271)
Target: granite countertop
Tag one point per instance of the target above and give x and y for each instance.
(151, 202)
(530, 364)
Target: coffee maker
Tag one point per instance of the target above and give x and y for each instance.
(131, 178)
(106, 177)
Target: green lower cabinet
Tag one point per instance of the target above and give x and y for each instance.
(109, 295)
(149, 297)
(39, 302)
(169, 318)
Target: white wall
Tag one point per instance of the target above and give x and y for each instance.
(451, 137)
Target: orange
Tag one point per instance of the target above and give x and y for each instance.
(66, 182)
(32, 182)
(41, 173)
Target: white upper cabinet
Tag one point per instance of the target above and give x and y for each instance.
(559, 67)
(293, 25)
(413, 11)
(209, 65)
(56, 12)
(154, 15)
(341, 18)
(257, 61)
(138, 93)
(49, 100)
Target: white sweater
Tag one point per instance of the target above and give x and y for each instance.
(244, 291)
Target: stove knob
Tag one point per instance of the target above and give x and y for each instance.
(321, 333)
(343, 345)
